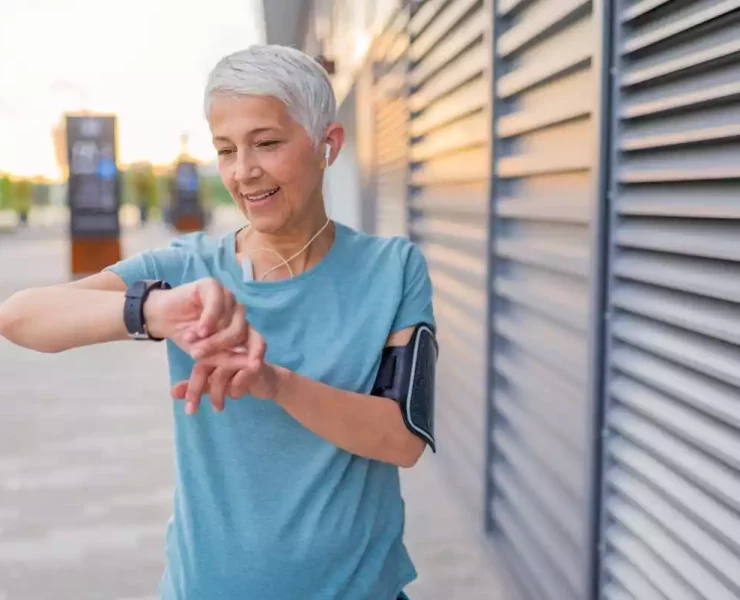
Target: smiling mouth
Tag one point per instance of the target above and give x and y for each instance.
(262, 196)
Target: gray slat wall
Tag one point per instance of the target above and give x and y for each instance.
(390, 96)
(543, 207)
(671, 516)
(448, 198)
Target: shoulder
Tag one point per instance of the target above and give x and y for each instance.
(393, 252)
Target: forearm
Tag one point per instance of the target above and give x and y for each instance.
(53, 319)
(368, 426)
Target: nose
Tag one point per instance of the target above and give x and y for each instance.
(247, 168)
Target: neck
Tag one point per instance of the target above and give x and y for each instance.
(263, 248)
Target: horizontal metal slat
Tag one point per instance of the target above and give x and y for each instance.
(463, 167)
(700, 276)
(564, 563)
(450, 313)
(557, 412)
(689, 424)
(449, 47)
(525, 121)
(560, 54)
(685, 138)
(712, 318)
(542, 18)
(669, 550)
(714, 516)
(705, 394)
(460, 71)
(550, 452)
(455, 260)
(564, 352)
(641, 8)
(701, 58)
(423, 14)
(700, 238)
(696, 352)
(672, 103)
(547, 294)
(626, 544)
(632, 583)
(472, 300)
(710, 555)
(554, 209)
(441, 26)
(694, 15)
(468, 99)
(709, 474)
(558, 257)
(461, 135)
(718, 201)
(537, 564)
(463, 201)
(505, 7)
(543, 486)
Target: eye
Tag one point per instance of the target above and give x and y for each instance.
(224, 151)
(268, 144)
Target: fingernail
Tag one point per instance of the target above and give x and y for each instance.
(189, 408)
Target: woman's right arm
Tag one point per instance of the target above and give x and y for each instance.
(61, 317)
(90, 311)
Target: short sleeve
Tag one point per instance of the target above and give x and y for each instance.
(167, 264)
(416, 304)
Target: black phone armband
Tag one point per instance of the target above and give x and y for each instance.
(407, 375)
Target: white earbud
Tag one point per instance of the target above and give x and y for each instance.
(327, 154)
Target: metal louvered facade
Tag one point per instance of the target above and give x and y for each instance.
(542, 283)
(391, 108)
(671, 502)
(571, 172)
(450, 60)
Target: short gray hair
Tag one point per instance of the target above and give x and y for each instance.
(282, 72)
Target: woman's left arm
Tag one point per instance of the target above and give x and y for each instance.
(369, 426)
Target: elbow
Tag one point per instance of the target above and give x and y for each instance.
(13, 324)
(410, 450)
(10, 320)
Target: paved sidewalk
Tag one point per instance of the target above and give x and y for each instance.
(86, 468)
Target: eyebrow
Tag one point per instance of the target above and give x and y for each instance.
(221, 138)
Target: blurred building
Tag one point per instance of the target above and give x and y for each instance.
(570, 169)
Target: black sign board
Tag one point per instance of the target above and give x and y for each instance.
(94, 189)
(186, 190)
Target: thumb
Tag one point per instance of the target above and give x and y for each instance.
(211, 297)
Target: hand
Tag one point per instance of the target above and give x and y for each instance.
(188, 313)
(231, 373)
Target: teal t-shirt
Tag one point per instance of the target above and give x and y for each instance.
(264, 508)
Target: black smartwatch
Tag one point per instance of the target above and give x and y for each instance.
(133, 309)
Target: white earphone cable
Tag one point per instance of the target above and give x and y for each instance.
(286, 262)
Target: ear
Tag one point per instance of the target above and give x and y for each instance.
(333, 139)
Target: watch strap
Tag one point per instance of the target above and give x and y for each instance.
(133, 308)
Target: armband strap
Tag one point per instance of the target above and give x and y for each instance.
(407, 375)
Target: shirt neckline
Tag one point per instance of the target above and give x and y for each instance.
(234, 267)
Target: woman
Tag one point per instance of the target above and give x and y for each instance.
(292, 492)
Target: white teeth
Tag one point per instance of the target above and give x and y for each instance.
(260, 196)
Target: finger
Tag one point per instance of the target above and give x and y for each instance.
(233, 335)
(219, 381)
(179, 390)
(256, 348)
(197, 387)
(236, 361)
(239, 384)
(212, 299)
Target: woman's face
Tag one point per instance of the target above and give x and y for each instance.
(267, 161)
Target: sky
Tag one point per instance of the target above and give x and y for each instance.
(144, 60)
